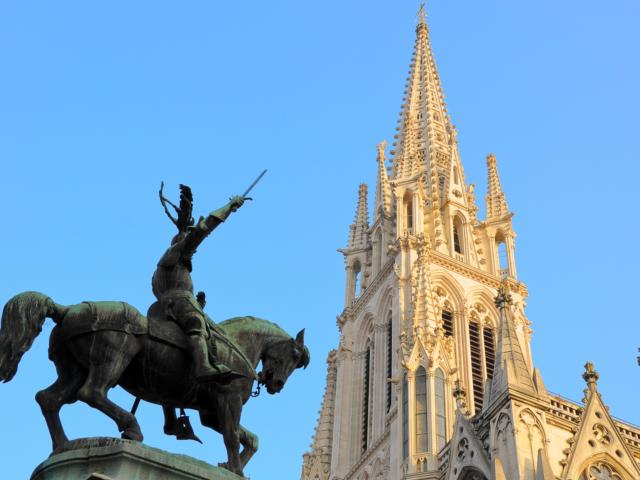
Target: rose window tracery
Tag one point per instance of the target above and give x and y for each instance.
(600, 471)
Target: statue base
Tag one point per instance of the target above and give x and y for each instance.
(103, 458)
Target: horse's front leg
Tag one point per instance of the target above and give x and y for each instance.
(229, 414)
(249, 441)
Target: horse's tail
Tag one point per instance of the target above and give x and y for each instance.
(22, 320)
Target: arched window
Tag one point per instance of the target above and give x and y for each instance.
(482, 349)
(405, 418)
(456, 178)
(357, 281)
(408, 212)
(447, 322)
(458, 238)
(365, 399)
(381, 253)
(503, 259)
(422, 411)
(389, 361)
(441, 413)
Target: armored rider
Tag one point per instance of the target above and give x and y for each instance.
(173, 287)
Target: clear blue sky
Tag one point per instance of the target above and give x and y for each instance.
(100, 101)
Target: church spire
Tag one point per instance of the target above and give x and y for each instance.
(360, 226)
(383, 188)
(511, 369)
(424, 125)
(496, 203)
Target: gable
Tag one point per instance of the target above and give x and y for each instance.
(598, 444)
(466, 455)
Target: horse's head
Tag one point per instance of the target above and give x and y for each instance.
(280, 359)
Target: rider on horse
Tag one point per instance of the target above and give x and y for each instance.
(173, 287)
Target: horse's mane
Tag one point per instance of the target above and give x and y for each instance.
(255, 324)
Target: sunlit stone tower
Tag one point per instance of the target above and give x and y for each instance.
(433, 376)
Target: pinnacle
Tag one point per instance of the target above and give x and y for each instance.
(496, 202)
(511, 369)
(424, 130)
(360, 225)
(383, 188)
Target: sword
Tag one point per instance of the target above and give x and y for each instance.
(254, 183)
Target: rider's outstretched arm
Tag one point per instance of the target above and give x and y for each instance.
(207, 224)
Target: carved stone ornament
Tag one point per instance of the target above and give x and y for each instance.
(601, 434)
(503, 298)
(462, 450)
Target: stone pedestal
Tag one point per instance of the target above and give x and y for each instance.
(115, 459)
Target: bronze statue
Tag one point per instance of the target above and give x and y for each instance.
(161, 358)
(173, 287)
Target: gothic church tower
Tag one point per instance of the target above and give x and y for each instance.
(433, 376)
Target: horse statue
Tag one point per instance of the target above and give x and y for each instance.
(98, 345)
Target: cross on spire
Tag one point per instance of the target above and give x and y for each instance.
(422, 13)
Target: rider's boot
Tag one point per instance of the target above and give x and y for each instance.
(203, 370)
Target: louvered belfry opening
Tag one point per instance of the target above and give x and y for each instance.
(405, 417)
(489, 351)
(389, 362)
(447, 323)
(365, 400)
(476, 365)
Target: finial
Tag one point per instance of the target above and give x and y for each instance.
(590, 375)
(422, 13)
(503, 299)
(460, 395)
(381, 148)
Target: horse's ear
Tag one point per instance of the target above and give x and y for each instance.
(300, 338)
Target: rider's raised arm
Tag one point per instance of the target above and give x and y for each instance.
(206, 225)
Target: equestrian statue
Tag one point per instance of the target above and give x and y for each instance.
(176, 356)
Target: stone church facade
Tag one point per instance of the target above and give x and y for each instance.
(433, 376)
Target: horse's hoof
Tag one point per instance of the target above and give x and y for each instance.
(132, 435)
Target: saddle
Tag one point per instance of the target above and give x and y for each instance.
(167, 331)
(163, 329)
(87, 317)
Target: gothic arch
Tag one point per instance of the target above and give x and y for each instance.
(365, 332)
(451, 286)
(448, 297)
(384, 305)
(459, 228)
(531, 435)
(527, 418)
(483, 296)
(379, 255)
(355, 281)
(408, 211)
(501, 249)
(504, 444)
